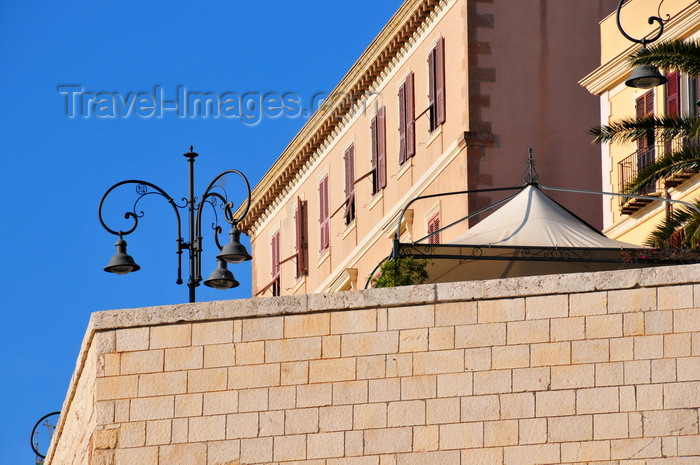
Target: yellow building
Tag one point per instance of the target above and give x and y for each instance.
(448, 97)
(633, 220)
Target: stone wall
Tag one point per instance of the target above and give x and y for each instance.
(600, 368)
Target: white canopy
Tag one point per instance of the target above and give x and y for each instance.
(532, 219)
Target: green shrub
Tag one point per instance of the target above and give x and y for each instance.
(402, 271)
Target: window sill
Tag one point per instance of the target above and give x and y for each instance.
(407, 165)
(300, 282)
(349, 228)
(434, 135)
(376, 198)
(324, 256)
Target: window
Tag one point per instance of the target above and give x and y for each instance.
(349, 185)
(673, 87)
(646, 152)
(379, 151)
(434, 225)
(407, 133)
(436, 84)
(275, 248)
(323, 217)
(302, 242)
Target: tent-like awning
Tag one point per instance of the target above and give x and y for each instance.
(529, 235)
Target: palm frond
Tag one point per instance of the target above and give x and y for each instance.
(685, 218)
(629, 129)
(677, 55)
(685, 159)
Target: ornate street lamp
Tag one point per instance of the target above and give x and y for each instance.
(233, 252)
(644, 76)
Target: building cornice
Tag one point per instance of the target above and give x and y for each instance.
(327, 119)
(616, 70)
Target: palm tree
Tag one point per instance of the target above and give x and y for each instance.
(676, 55)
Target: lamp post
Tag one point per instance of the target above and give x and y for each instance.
(644, 76)
(233, 252)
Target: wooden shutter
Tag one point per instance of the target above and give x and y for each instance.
(432, 90)
(644, 106)
(275, 247)
(403, 149)
(381, 148)
(440, 81)
(323, 214)
(434, 225)
(301, 237)
(410, 117)
(349, 184)
(673, 101)
(375, 145)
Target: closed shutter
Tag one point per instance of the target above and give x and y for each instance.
(381, 148)
(349, 184)
(275, 247)
(673, 101)
(323, 214)
(440, 81)
(432, 90)
(410, 117)
(403, 156)
(301, 239)
(434, 225)
(375, 145)
(646, 150)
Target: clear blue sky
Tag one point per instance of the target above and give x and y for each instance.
(55, 169)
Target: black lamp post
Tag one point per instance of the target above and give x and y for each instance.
(644, 76)
(233, 252)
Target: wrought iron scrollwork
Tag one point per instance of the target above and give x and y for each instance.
(652, 19)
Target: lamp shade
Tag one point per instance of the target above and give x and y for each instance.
(234, 251)
(121, 262)
(221, 277)
(645, 77)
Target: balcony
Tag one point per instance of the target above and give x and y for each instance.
(632, 165)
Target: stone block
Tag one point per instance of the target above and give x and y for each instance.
(637, 372)
(611, 426)
(682, 395)
(621, 349)
(640, 448)
(688, 368)
(293, 350)
(413, 340)
(179, 335)
(289, 447)
(492, 382)
(570, 428)
(532, 431)
(477, 359)
(528, 332)
(517, 356)
(314, 324)
(632, 300)
(406, 413)
(314, 395)
(282, 397)
(445, 410)
(388, 440)
(212, 332)
(116, 387)
(500, 433)
(548, 306)
(335, 418)
(220, 402)
(480, 408)
(520, 405)
(141, 455)
(649, 397)
(482, 335)
(589, 303)
(132, 434)
(370, 416)
(325, 445)
(350, 392)
(633, 324)
(384, 390)
(426, 438)
(436, 362)
(567, 329)
(219, 355)
(418, 387)
(454, 384)
(371, 367)
(531, 379)
(253, 376)
(354, 447)
(461, 435)
(224, 452)
(184, 358)
(609, 374)
(208, 379)
(585, 452)
(548, 354)
(441, 338)
(501, 310)
(260, 329)
(250, 353)
(399, 365)
(685, 321)
(603, 326)
(152, 408)
(144, 361)
(555, 403)
(598, 400)
(674, 297)
(325, 371)
(209, 428)
(573, 376)
(294, 373)
(677, 345)
(422, 316)
(532, 454)
(271, 423)
(252, 400)
(330, 347)
(369, 343)
(663, 370)
(255, 450)
(455, 313)
(190, 405)
(132, 339)
(241, 425)
(353, 321)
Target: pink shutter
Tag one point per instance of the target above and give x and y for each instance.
(323, 214)
(381, 148)
(432, 90)
(440, 80)
(275, 246)
(375, 145)
(402, 125)
(299, 224)
(410, 117)
(434, 225)
(349, 184)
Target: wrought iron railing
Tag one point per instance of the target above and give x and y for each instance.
(631, 166)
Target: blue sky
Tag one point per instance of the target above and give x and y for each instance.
(55, 168)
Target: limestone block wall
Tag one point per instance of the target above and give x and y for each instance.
(598, 368)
